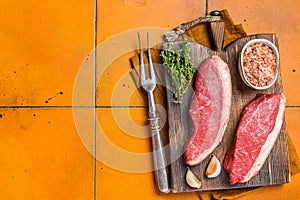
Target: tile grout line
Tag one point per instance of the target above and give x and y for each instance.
(82, 107)
(95, 99)
(292, 106)
(86, 107)
(71, 107)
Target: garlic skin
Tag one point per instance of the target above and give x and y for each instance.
(192, 180)
(214, 167)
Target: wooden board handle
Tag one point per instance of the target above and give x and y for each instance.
(216, 30)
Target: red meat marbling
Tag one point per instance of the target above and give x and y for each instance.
(209, 109)
(256, 134)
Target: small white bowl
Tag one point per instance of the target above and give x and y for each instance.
(242, 74)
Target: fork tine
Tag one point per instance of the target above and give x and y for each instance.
(142, 70)
(152, 73)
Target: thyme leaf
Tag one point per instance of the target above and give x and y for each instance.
(180, 68)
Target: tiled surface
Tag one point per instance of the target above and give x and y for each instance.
(122, 128)
(116, 87)
(256, 17)
(42, 156)
(42, 47)
(43, 44)
(46, 149)
(114, 181)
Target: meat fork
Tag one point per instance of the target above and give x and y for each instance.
(159, 159)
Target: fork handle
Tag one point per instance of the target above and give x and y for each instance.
(159, 158)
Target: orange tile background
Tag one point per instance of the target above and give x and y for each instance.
(43, 46)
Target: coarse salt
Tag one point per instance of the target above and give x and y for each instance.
(259, 64)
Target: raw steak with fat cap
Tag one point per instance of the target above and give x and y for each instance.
(209, 109)
(256, 134)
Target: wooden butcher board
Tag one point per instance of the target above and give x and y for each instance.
(276, 168)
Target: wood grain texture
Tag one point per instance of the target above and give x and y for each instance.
(216, 30)
(276, 168)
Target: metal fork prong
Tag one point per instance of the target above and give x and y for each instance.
(159, 158)
(152, 73)
(142, 68)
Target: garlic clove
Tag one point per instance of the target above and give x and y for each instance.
(214, 167)
(192, 180)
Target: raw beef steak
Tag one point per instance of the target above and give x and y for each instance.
(256, 134)
(209, 109)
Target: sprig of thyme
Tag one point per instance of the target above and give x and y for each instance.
(180, 68)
